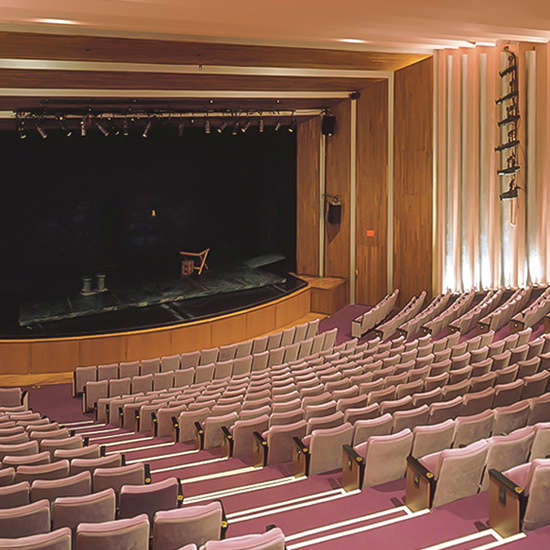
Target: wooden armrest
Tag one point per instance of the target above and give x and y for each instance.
(227, 442)
(453, 328)
(402, 332)
(199, 436)
(175, 430)
(507, 502)
(180, 493)
(353, 469)
(300, 458)
(86, 441)
(482, 327)
(259, 451)
(147, 474)
(426, 330)
(137, 416)
(121, 415)
(123, 459)
(378, 333)
(420, 485)
(102, 450)
(515, 326)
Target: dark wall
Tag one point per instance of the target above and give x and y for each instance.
(84, 204)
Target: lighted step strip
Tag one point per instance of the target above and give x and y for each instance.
(465, 540)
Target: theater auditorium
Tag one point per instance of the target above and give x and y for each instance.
(274, 276)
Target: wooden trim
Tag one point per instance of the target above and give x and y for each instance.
(420, 485)
(506, 504)
(64, 354)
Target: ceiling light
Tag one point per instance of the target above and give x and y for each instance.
(55, 21)
(207, 126)
(352, 41)
(235, 128)
(21, 130)
(125, 130)
(180, 128)
(292, 126)
(246, 126)
(278, 126)
(222, 127)
(261, 125)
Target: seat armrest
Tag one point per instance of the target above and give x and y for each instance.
(227, 442)
(259, 451)
(300, 458)
(199, 436)
(420, 485)
(175, 430)
(353, 469)
(507, 503)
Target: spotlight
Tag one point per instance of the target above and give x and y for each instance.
(278, 126)
(292, 126)
(180, 128)
(63, 127)
(21, 130)
(222, 127)
(235, 129)
(511, 193)
(83, 127)
(246, 126)
(147, 128)
(261, 125)
(102, 129)
(207, 126)
(41, 131)
(125, 130)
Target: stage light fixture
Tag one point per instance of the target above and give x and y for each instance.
(511, 193)
(83, 127)
(292, 125)
(102, 129)
(222, 127)
(246, 126)
(235, 129)
(207, 126)
(63, 126)
(21, 130)
(125, 129)
(278, 126)
(41, 131)
(261, 125)
(147, 128)
(180, 128)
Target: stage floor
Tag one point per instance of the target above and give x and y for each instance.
(155, 303)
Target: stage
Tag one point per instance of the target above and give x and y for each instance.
(157, 303)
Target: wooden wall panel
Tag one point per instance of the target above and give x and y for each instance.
(372, 194)
(15, 358)
(261, 321)
(49, 355)
(101, 350)
(196, 336)
(413, 154)
(307, 196)
(337, 236)
(229, 330)
(147, 345)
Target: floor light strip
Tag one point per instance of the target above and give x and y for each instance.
(244, 489)
(81, 423)
(172, 455)
(126, 442)
(181, 466)
(355, 531)
(287, 502)
(138, 449)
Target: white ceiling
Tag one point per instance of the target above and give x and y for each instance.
(381, 24)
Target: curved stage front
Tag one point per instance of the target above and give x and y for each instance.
(142, 333)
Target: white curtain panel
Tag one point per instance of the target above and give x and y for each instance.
(482, 242)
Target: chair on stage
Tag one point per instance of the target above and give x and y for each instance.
(193, 261)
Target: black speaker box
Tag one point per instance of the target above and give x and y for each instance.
(329, 125)
(334, 213)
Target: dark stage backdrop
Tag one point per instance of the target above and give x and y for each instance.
(84, 204)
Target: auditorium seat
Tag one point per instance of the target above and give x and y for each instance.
(115, 478)
(535, 385)
(124, 533)
(16, 494)
(93, 508)
(272, 539)
(507, 394)
(29, 460)
(197, 525)
(7, 476)
(541, 442)
(410, 418)
(128, 369)
(20, 449)
(50, 489)
(91, 464)
(81, 376)
(275, 445)
(432, 438)
(469, 429)
(55, 540)
(444, 410)
(150, 366)
(511, 417)
(23, 521)
(149, 499)
(482, 382)
(474, 403)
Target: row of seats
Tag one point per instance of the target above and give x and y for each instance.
(535, 312)
(412, 327)
(114, 386)
(460, 306)
(387, 329)
(11, 398)
(282, 339)
(502, 315)
(468, 321)
(374, 316)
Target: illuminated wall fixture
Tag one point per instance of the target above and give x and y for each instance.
(147, 128)
(222, 127)
(41, 130)
(207, 126)
(261, 125)
(334, 214)
(83, 127)
(278, 126)
(292, 125)
(125, 127)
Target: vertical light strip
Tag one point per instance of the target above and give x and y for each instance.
(531, 234)
(391, 110)
(436, 252)
(465, 278)
(353, 197)
(322, 190)
(450, 279)
(483, 259)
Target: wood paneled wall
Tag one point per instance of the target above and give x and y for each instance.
(337, 236)
(372, 194)
(64, 354)
(413, 185)
(307, 196)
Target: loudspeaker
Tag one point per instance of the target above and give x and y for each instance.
(329, 125)
(334, 213)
